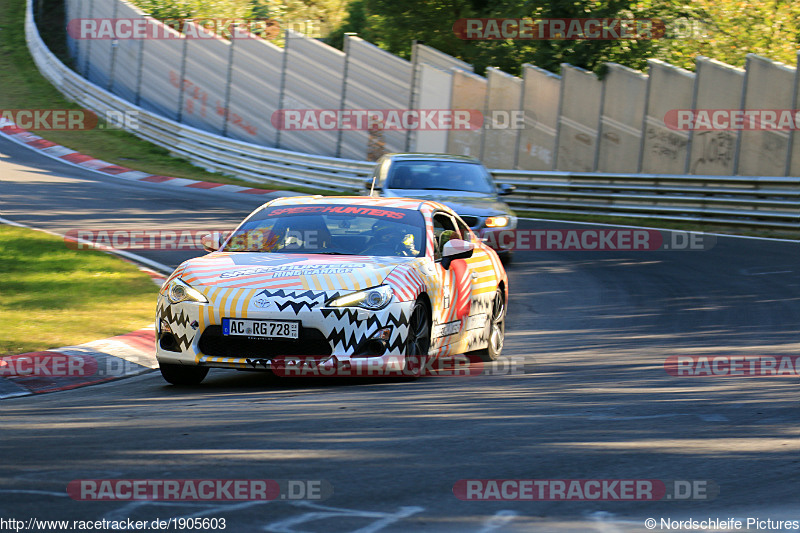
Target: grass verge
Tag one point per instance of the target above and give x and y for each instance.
(51, 296)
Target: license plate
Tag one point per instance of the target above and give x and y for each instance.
(270, 329)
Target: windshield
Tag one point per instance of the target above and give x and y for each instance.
(331, 229)
(441, 176)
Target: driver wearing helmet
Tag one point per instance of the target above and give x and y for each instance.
(391, 239)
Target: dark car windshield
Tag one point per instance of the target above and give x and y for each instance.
(334, 229)
(441, 176)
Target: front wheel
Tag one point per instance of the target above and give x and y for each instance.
(497, 328)
(418, 343)
(183, 375)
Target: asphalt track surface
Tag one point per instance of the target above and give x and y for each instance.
(595, 402)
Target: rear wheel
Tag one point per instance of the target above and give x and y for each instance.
(418, 342)
(183, 375)
(497, 328)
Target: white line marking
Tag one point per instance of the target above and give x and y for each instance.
(499, 520)
(124, 512)
(322, 511)
(39, 492)
(604, 522)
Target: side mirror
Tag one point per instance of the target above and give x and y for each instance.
(456, 249)
(505, 189)
(211, 242)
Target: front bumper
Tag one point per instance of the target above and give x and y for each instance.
(190, 333)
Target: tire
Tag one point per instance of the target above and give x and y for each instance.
(183, 375)
(418, 342)
(497, 328)
(505, 258)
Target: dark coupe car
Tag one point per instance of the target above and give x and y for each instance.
(462, 183)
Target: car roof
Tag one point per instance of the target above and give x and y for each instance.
(396, 202)
(421, 156)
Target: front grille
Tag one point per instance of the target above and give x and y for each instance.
(214, 343)
(472, 222)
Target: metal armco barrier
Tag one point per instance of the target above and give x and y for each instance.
(745, 201)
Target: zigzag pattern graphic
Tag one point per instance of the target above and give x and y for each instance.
(179, 320)
(184, 339)
(297, 301)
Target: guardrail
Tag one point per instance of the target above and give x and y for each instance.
(732, 200)
(747, 201)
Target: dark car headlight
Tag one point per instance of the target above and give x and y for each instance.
(372, 299)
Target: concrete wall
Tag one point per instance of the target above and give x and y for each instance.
(571, 122)
(718, 86)
(768, 85)
(503, 106)
(664, 150)
(624, 96)
(541, 105)
(581, 96)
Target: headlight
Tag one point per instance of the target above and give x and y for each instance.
(180, 291)
(497, 222)
(374, 299)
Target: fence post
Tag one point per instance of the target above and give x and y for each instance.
(283, 82)
(182, 77)
(114, 48)
(411, 93)
(139, 71)
(340, 133)
(485, 112)
(687, 165)
(88, 45)
(558, 118)
(599, 137)
(644, 121)
(796, 86)
(736, 153)
(231, 56)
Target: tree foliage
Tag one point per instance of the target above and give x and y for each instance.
(726, 30)
(722, 29)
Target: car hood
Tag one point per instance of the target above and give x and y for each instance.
(463, 203)
(256, 270)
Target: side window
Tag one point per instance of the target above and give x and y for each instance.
(466, 234)
(444, 229)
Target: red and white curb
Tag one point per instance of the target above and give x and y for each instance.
(77, 366)
(56, 151)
